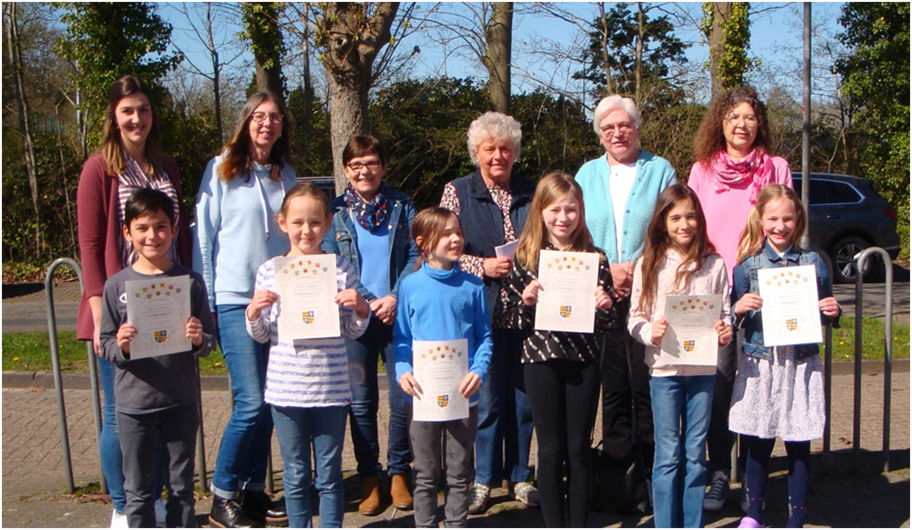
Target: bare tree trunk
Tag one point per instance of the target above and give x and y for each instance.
(22, 106)
(70, 210)
(351, 42)
(308, 82)
(499, 37)
(609, 85)
(262, 22)
(216, 73)
(638, 59)
(721, 13)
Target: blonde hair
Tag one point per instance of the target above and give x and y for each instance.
(428, 225)
(305, 189)
(752, 236)
(551, 188)
(497, 127)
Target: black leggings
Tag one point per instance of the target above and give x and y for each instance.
(799, 477)
(563, 395)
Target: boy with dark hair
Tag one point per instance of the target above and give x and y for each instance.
(156, 397)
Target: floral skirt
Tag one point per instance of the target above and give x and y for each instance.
(780, 397)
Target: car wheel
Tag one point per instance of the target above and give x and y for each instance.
(843, 256)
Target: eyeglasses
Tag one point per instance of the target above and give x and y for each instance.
(373, 165)
(260, 117)
(611, 130)
(748, 119)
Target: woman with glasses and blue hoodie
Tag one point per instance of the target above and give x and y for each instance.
(236, 231)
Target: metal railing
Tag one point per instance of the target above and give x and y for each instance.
(861, 260)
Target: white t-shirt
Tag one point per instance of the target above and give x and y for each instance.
(619, 184)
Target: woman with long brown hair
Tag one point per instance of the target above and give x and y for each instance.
(733, 163)
(236, 230)
(128, 158)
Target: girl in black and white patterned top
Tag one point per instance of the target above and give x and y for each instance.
(561, 369)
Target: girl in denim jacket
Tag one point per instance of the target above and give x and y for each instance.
(778, 391)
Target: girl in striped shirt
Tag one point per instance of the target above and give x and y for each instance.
(307, 380)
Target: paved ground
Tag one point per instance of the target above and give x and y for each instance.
(34, 479)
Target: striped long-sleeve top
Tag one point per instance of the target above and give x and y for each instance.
(310, 372)
(542, 345)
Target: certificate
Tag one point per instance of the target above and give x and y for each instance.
(159, 309)
(790, 313)
(691, 336)
(566, 301)
(439, 367)
(307, 289)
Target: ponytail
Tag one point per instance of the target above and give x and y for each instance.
(751, 237)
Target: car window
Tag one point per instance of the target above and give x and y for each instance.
(829, 192)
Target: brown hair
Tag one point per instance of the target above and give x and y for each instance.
(111, 146)
(236, 157)
(359, 146)
(752, 236)
(710, 138)
(305, 189)
(428, 225)
(658, 242)
(551, 188)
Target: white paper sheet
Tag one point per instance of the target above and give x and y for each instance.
(159, 310)
(307, 287)
(439, 367)
(691, 337)
(790, 313)
(507, 250)
(567, 299)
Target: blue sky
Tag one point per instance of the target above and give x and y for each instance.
(776, 40)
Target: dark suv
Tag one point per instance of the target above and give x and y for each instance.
(847, 216)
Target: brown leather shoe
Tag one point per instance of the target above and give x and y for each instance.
(400, 492)
(370, 498)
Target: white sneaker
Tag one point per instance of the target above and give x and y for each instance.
(119, 520)
(160, 513)
(478, 498)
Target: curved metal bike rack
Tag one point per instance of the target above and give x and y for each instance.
(58, 378)
(861, 259)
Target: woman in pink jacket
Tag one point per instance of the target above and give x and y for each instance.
(733, 162)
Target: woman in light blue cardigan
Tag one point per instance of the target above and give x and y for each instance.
(620, 190)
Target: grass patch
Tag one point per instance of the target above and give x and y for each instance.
(31, 352)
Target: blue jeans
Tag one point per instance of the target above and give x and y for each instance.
(504, 437)
(296, 428)
(680, 404)
(363, 354)
(246, 439)
(111, 457)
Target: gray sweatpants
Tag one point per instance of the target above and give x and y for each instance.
(174, 430)
(426, 439)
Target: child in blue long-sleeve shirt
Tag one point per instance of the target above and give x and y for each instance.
(440, 302)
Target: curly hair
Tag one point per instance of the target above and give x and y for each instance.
(493, 126)
(710, 139)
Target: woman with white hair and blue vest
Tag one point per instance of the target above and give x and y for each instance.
(492, 204)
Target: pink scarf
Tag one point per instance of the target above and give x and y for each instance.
(756, 167)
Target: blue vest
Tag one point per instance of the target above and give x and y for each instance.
(482, 220)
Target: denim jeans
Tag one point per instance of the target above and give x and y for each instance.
(296, 428)
(247, 436)
(680, 405)
(111, 457)
(504, 437)
(363, 354)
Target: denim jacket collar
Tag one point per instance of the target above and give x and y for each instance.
(791, 254)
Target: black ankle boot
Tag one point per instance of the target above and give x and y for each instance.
(227, 513)
(259, 505)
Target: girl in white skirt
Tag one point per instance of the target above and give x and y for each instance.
(778, 391)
